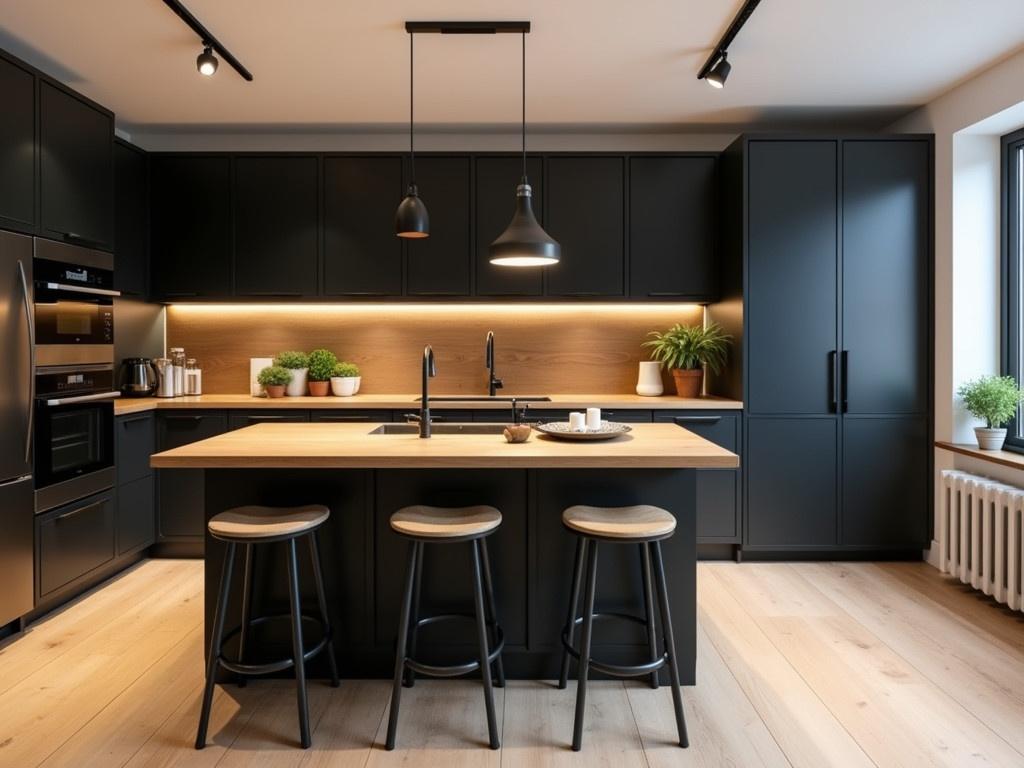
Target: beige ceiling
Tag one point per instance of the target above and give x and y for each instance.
(591, 63)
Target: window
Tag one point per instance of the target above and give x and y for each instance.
(1013, 272)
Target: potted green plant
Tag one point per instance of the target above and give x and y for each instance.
(298, 364)
(994, 399)
(685, 350)
(321, 369)
(345, 379)
(274, 379)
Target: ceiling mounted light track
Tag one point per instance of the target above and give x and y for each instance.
(716, 69)
(206, 62)
(412, 220)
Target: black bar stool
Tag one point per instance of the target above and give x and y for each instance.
(645, 526)
(250, 526)
(438, 525)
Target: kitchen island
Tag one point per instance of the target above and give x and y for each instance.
(364, 477)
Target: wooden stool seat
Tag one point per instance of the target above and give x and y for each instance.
(255, 523)
(641, 522)
(424, 522)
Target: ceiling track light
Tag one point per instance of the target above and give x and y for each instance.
(717, 67)
(207, 62)
(412, 221)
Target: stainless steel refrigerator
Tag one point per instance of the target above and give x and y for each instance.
(17, 508)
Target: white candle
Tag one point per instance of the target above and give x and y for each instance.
(593, 419)
(577, 421)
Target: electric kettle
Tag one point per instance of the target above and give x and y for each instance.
(139, 377)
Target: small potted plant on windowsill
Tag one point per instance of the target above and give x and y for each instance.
(994, 399)
(274, 379)
(321, 369)
(298, 364)
(685, 350)
(345, 379)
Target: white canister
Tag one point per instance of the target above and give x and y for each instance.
(648, 382)
(257, 364)
(593, 419)
(297, 387)
(577, 421)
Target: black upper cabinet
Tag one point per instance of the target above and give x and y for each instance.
(191, 234)
(586, 215)
(440, 265)
(672, 225)
(76, 139)
(17, 147)
(362, 255)
(131, 241)
(495, 202)
(276, 225)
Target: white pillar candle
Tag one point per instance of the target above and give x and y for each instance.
(593, 419)
(577, 421)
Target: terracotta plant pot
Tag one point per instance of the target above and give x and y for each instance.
(275, 390)
(319, 388)
(688, 381)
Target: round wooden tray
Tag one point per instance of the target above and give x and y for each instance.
(560, 430)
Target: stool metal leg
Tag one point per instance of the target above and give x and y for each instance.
(318, 577)
(403, 638)
(584, 664)
(417, 587)
(492, 612)
(298, 648)
(652, 639)
(213, 661)
(243, 633)
(481, 630)
(574, 604)
(670, 643)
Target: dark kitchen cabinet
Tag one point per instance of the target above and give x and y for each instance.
(76, 166)
(131, 225)
(672, 228)
(136, 515)
(362, 254)
(191, 226)
(494, 201)
(276, 226)
(350, 415)
(441, 265)
(134, 441)
(719, 491)
(73, 540)
(180, 492)
(240, 419)
(586, 215)
(17, 147)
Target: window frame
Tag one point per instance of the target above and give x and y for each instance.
(1012, 292)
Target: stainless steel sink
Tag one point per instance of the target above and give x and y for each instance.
(440, 429)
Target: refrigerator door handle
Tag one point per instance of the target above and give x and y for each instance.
(15, 481)
(31, 323)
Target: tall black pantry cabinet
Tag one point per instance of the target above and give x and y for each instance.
(829, 244)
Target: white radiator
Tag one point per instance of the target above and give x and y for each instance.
(980, 539)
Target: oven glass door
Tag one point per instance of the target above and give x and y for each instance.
(75, 321)
(73, 440)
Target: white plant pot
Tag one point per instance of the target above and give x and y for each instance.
(359, 380)
(990, 439)
(297, 387)
(648, 383)
(344, 386)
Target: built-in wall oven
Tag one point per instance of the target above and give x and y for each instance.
(74, 373)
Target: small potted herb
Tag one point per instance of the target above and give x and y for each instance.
(993, 399)
(321, 369)
(685, 350)
(345, 379)
(274, 379)
(298, 364)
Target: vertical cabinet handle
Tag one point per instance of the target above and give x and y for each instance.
(833, 383)
(31, 325)
(846, 381)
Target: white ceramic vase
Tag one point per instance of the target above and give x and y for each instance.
(990, 439)
(344, 386)
(297, 387)
(648, 381)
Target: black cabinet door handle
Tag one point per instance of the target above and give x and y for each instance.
(697, 419)
(183, 418)
(833, 383)
(846, 381)
(343, 418)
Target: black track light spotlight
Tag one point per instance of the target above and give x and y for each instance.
(718, 73)
(206, 62)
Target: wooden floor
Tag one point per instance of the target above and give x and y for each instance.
(798, 664)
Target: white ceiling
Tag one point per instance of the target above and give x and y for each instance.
(592, 64)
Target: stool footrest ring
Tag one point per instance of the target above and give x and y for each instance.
(455, 670)
(270, 667)
(616, 670)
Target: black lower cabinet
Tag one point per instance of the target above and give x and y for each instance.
(350, 415)
(72, 541)
(239, 419)
(136, 515)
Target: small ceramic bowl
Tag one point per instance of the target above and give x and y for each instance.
(517, 433)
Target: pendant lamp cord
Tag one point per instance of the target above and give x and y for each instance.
(412, 146)
(524, 105)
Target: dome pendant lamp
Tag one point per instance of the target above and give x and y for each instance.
(411, 219)
(524, 243)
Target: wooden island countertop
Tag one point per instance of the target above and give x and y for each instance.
(351, 446)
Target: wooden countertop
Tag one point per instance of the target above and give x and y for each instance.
(348, 446)
(127, 406)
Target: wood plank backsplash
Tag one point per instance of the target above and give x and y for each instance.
(566, 349)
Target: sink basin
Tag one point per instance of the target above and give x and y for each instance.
(440, 429)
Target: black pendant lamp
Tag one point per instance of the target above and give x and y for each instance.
(524, 243)
(411, 219)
